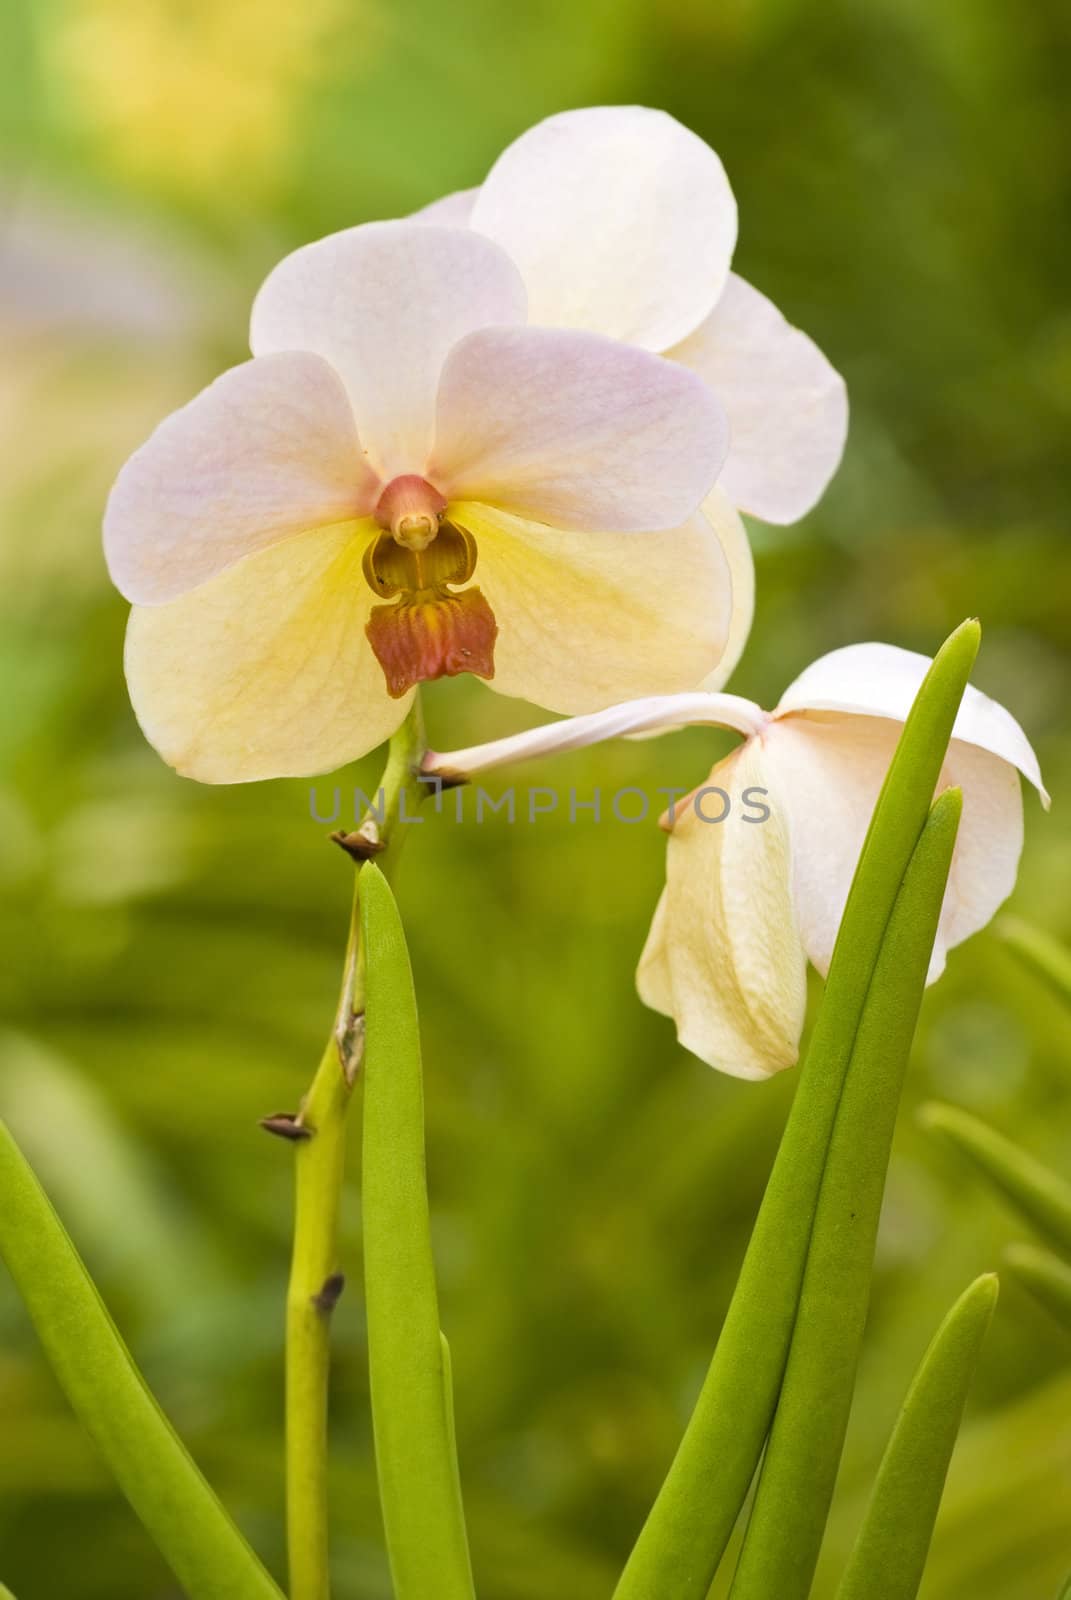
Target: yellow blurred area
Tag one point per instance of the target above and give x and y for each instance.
(188, 93)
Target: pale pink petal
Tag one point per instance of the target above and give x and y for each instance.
(826, 770)
(265, 671)
(881, 680)
(384, 304)
(454, 210)
(620, 219)
(787, 407)
(588, 619)
(724, 957)
(267, 451)
(575, 430)
(988, 847)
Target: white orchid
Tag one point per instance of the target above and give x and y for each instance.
(301, 541)
(623, 222)
(755, 890)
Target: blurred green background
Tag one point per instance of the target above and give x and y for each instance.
(170, 953)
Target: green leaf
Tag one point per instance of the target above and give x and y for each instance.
(1042, 1196)
(412, 1407)
(799, 1468)
(1045, 955)
(197, 1539)
(1047, 1278)
(890, 1552)
(685, 1535)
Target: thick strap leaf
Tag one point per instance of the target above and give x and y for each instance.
(682, 1542)
(890, 1552)
(1042, 1196)
(193, 1533)
(1047, 1278)
(1045, 955)
(412, 1407)
(799, 1469)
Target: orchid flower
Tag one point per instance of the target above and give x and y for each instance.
(761, 857)
(408, 481)
(622, 222)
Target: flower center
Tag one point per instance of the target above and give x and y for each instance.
(418, 559)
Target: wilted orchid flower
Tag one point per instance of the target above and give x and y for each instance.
(761, 857)
(623, 222)
(408, 482)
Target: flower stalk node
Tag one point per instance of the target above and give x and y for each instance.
(285, 1125)
(327, 1298)
(360, 846)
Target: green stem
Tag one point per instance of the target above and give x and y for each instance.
(315, 1282)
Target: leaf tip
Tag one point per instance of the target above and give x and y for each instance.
(985, 1290)
(963, 642)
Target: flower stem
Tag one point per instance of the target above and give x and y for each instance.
(320, 1146)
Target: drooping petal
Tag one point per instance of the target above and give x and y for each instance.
(724, 957)
(266, 451)
(575, 430)
(588, 619)
(620, 219)
(824, 776)
(654, 979)
(384, 304)
(787, 406)
(265, 671)
(826, 770)
(881, 680)
(453, 210)
(988, 847)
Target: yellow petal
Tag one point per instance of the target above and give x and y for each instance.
(724, 957)
(729, 527)
(587, 619)
(265, 671)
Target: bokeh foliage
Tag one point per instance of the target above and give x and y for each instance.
(171, 952)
